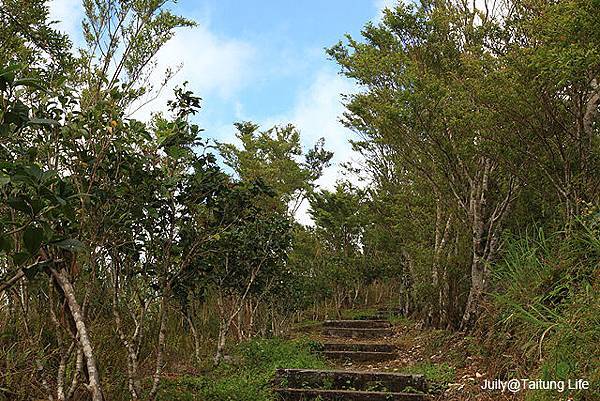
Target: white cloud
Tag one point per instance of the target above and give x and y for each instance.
(316, 114)
(214, 66)
(68, 14)
(217, 66)
(381, 5)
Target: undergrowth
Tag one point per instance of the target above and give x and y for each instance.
(438, 375)
(247, 377)
(548, 304)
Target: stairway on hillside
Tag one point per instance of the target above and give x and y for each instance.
(352, 341)
(386, 313)
(361, 329)
(358, 352)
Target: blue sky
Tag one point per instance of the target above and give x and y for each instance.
(259, 60)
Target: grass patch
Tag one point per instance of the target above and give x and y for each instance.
(358, 314)
(437, 375)
(399, 320)
(247, 379)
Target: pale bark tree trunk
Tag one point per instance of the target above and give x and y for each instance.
(94, 384)
(195, 336)
(485, 230)
(132, 359)
(160, 346)
(77, 373)
(442, 232)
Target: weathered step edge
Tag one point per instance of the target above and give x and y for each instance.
(351, 324)
(364, 347)
(349, 380)
(295, 394)
(357, 332)
(360, 356)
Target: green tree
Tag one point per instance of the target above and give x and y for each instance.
(339, 225)
(274, 156)
(421, 70)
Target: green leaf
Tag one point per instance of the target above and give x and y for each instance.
(6, 243)
(33, 237)
(7, 74)
(34, 171)
(20, 257)
(19, 204)
(60, 200)
(70, 244)
(32, 271)
(30, 82)
(68, 211)
(4, 179)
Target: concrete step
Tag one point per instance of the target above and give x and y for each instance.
(357, 332)
(364, 347)
(296, 394)
(359, 356)
(349, 380)
(373, 324)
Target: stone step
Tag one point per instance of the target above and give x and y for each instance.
(297, 394)
(349, 380)
(373, 324)
(364, 347)
(357, 332)
(360, 356)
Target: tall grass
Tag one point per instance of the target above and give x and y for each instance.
(547, 293)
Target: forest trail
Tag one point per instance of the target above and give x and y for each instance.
(358, 347)
(382, 356)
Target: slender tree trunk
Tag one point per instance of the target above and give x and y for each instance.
(82, 332)
(160, 346)
(221, 340)
(77, 373)
(485, 228)
(478, 288)
(132, 358)
(195, 337)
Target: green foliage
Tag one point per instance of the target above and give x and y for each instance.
(273, 156)
(477, 131)
(25, 34)
(40, 203)
(547, 294)
(123, 39)
(438, 375)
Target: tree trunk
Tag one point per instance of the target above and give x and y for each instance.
(195, 337)
(478, 287)
(485, 231)
(94, 378)
(160, 346)
(221, 341)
